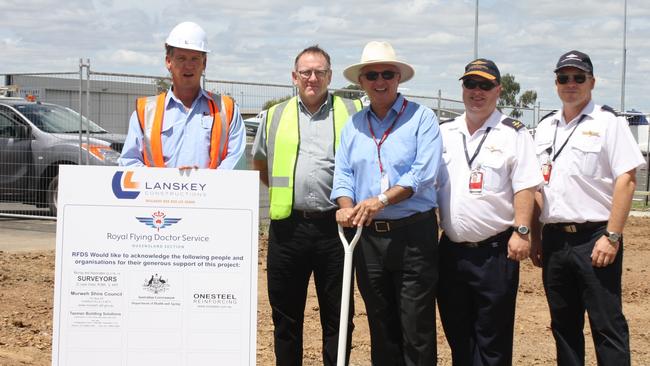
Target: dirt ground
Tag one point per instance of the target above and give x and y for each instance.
(26, 292)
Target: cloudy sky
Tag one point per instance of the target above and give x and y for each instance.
(256, 40)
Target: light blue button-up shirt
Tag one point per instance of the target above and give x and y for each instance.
(186, 135)
(410, 155)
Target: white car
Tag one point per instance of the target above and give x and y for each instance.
(252, 123)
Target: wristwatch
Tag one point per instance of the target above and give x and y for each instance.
(613, 237)
(522, 229)
(383, 199)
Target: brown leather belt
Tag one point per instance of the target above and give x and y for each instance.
(384, 226)
(314, 215)
(576, 227)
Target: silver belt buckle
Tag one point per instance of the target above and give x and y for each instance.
(382, 226)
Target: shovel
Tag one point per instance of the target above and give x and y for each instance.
(345, 292)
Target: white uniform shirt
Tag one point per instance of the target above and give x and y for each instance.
(583, 174)
(507, 160)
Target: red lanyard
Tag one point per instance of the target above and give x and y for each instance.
(386, 133)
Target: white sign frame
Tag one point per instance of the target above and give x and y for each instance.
(155, 267)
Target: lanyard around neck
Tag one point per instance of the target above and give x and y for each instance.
(386, 133)
(478, 149)
(567, 139)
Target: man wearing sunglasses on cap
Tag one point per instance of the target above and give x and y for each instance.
(294, 151)
(384, 180)
(486, 192)
(589, 159)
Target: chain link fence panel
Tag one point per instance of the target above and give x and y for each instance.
(31, 150)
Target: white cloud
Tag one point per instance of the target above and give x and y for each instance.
(128, 57)
(256, 40)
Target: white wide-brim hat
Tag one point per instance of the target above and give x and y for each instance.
(377, 52)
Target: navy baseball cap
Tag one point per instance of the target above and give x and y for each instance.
(575, 59)
(484, 68)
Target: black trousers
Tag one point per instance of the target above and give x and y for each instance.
(397, 275)
(477, 293)
(572, 286)
(298, 247)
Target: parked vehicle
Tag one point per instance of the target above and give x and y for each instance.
(253, 123)
(35, 138)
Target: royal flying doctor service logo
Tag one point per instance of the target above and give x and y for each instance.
(158, 220)
(124, 187)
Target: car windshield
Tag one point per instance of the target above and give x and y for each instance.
(56, 119)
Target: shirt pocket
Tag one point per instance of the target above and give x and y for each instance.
(206, 129)
(167, 130)
(495, 172)
(206, 122)
(585, 151)
(543, 150)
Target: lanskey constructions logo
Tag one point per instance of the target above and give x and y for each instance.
(125, 188)
(158, 220)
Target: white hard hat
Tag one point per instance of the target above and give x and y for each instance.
(188, 35)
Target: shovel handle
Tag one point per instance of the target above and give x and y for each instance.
(345, 292)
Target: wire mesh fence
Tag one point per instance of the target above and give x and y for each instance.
(81, 117)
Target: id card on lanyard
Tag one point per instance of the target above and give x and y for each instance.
(476, 174)
(384, 182)
(548, 166)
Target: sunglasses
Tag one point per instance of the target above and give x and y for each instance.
(578, 78)
(386, 75)
(483, 85)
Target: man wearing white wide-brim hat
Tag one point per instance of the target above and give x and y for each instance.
(186, 126)
(384, 178)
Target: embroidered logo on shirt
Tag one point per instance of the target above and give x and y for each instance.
(591, 133)
(493, 149)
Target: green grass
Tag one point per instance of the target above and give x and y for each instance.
(640, 205)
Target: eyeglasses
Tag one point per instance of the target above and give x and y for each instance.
(306, 74)
(483, 85)
(565, 78)
(386, 75)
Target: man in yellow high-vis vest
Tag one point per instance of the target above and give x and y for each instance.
(294, 152)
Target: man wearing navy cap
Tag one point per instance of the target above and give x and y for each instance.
(588, 159)
(486, 192)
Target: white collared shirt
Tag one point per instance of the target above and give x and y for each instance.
(583, 174)
(507, 160)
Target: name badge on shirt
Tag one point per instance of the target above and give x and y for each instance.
(383, 184)
(476, 181)
(546, 172)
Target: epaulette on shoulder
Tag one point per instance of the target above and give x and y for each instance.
(517, 125)
(547, 115)
(446, 120)
(609, 109)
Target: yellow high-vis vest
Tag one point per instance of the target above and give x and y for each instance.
(282, 143)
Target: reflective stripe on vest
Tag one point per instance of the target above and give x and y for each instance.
(150, 111)
(282, 144)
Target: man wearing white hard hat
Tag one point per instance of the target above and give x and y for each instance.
(185, 127)
(384, 177)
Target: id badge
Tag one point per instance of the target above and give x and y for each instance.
(384, 182)
(546, 172)
(476, 181)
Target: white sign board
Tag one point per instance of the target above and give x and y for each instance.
(155, 267)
